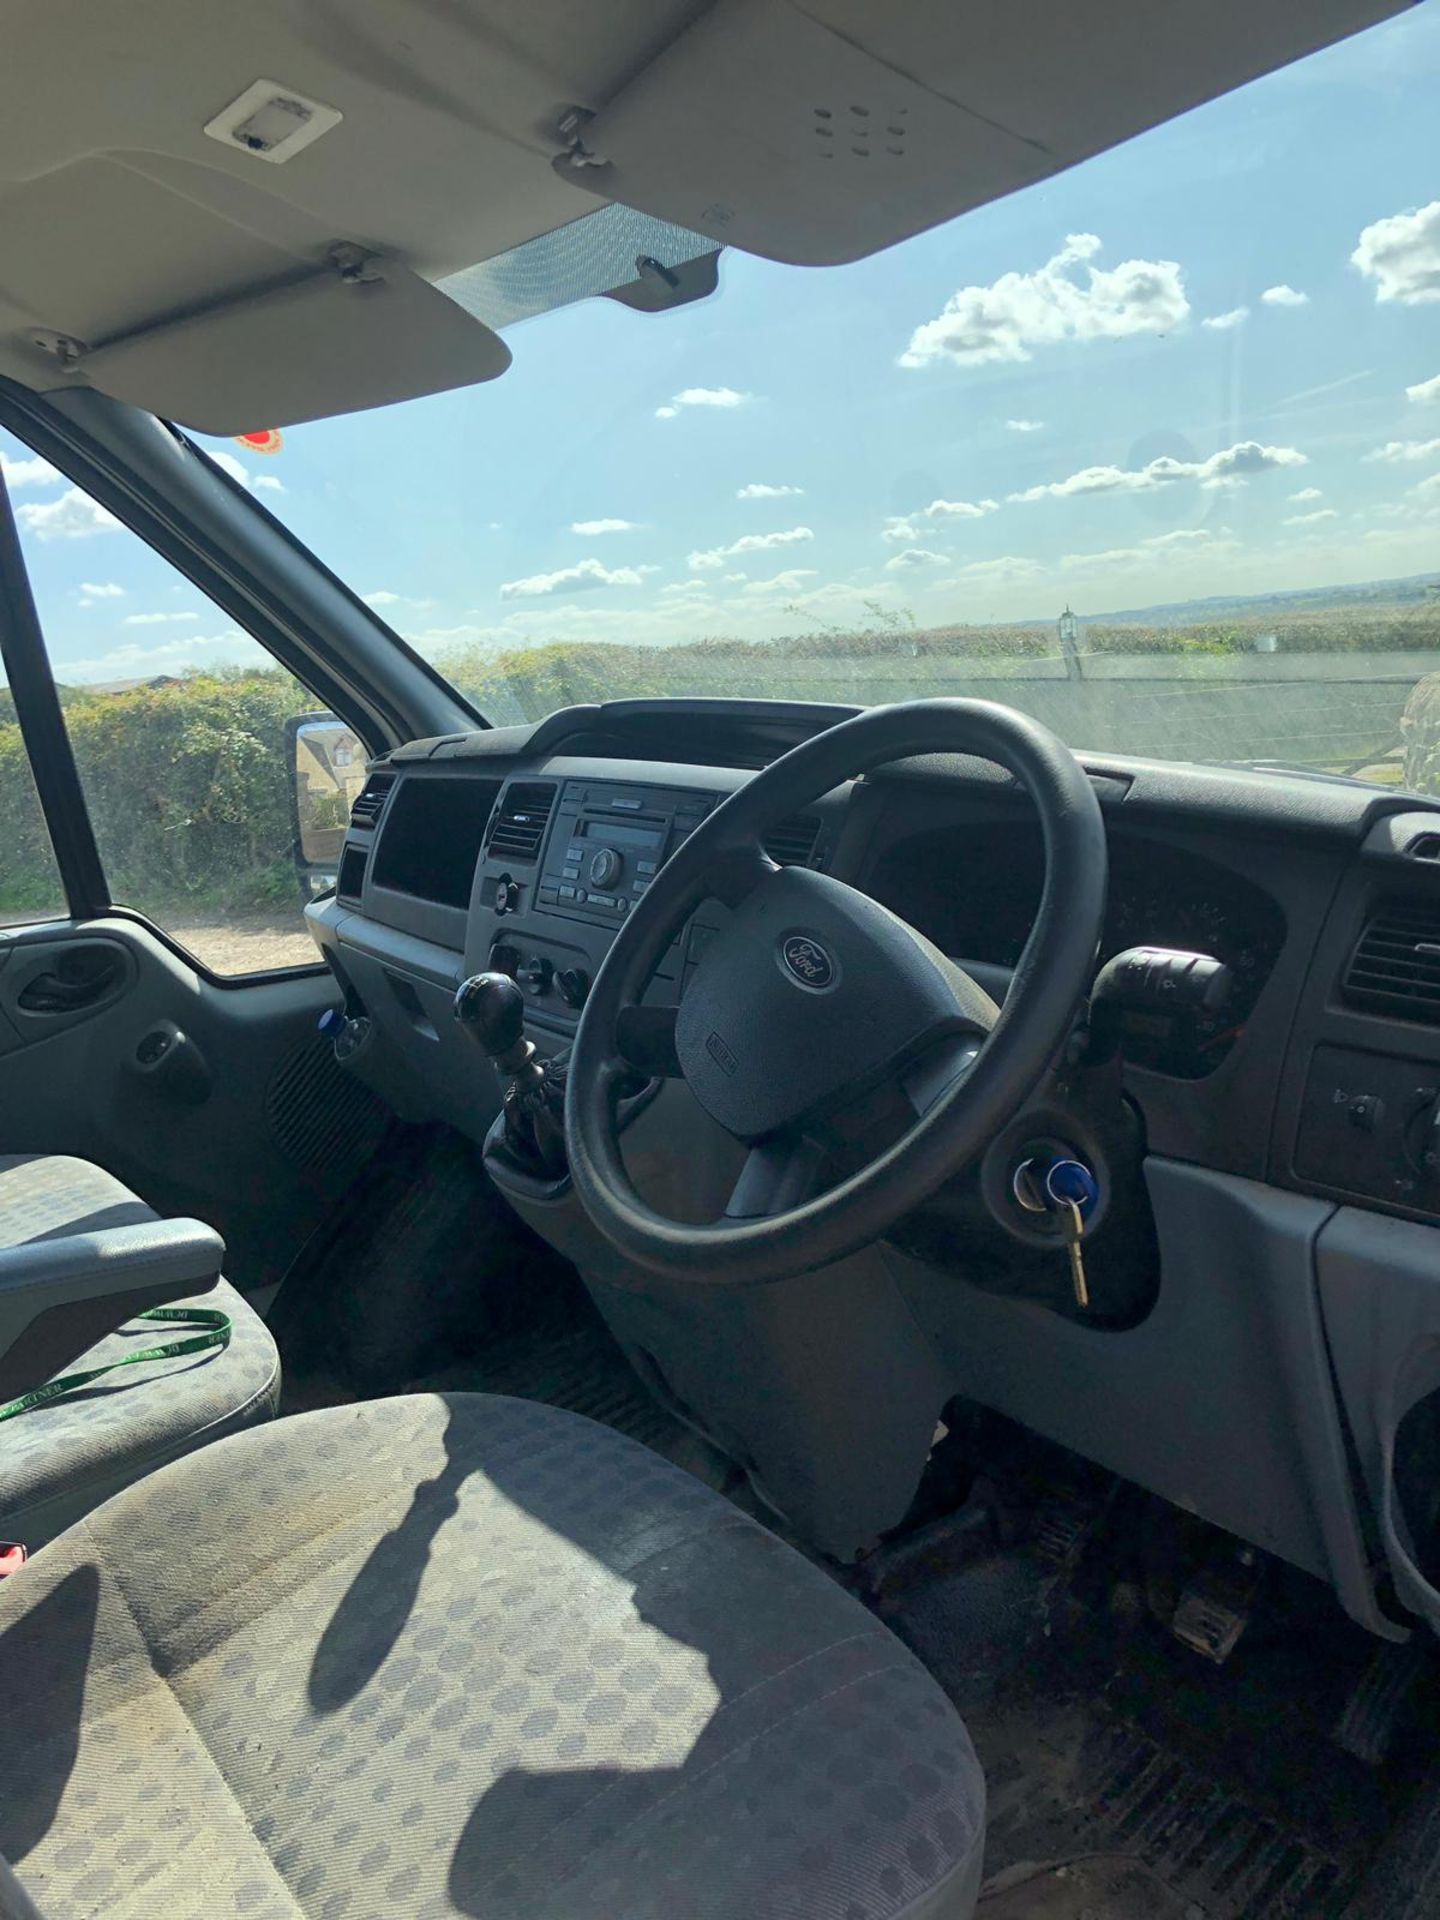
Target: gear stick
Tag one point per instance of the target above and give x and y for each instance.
(491, 1009)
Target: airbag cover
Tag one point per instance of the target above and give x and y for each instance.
(811, 993)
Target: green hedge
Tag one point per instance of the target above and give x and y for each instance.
(188, 788)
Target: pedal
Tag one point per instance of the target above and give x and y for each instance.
(1367, 1725)
(1214, 1610)
(1062, 1527)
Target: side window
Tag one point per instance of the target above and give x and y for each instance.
(179, 724)
(30, 886)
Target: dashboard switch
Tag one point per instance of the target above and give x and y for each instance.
(1366, 1111)
(573, 986)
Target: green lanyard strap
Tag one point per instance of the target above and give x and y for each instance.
(217, 1334)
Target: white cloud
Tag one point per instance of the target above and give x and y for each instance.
(93, 591)
(29, 473)
(1395, 451)
(383, 597)
(702, 397)
(1178, 537)
(1283, 296)
(731, 579)
(759, 490)
(747, 543)
(998, 572)
(1401, 255)
(586, 577)
(133, 661)
(914, 557)
(1311, 519)
(960, 509)
(74, 516)
(1221, 469)
(237, 470)
(157, 619)
(1025, 426)
(1153, 550)
(790, 581)
(1424, 390)
(900, 530)
(589, 527)
(1223, 322)
(1425, 488)
(1106, 562)
(1306, 493)
(1066, 299)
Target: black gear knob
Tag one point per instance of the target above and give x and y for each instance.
(491, 1008)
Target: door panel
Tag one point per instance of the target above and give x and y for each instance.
(220, 1102)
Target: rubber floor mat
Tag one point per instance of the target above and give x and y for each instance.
(572, 1363)
(1215, 1793)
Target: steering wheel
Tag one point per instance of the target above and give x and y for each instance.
(813, 998)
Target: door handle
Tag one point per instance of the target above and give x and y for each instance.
(71, 986)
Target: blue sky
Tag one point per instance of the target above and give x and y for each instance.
(1208, 362)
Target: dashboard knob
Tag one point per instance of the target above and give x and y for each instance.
(534, 974)
(605, 865)
(573, 986)
(504, 958)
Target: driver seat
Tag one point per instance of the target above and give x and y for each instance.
(463, 1655)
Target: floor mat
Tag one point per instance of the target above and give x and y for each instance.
(427, 1282)
(1115, 1885)
(568, 1359)
(1217, 1792)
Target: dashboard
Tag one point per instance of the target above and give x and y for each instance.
(524, 849)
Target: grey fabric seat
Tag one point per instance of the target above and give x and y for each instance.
(60, 1460)
(463, 1655)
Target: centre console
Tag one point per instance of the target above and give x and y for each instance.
(607, 843)
(564, 863)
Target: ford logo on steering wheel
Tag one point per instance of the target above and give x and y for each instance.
(807, 961)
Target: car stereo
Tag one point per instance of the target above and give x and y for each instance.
(608, 842)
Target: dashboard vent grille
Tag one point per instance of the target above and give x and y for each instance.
(519, 826)
(1395, 967)
(792, 842)
(370, 799)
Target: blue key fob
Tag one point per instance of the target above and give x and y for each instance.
(1071, 1183)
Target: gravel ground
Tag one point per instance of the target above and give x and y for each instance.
(247, 944)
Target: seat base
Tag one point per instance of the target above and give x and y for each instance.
(463, 1655)
(61, 1459)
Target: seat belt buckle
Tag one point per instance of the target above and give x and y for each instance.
(12, 1557)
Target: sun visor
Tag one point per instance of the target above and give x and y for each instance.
(362, 333)
(763, 129)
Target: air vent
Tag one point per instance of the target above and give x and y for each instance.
(370, 799)
(351, 883)
(1395, 967)
(793, 842)
(519, 826)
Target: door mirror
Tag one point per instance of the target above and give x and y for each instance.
(327, 770)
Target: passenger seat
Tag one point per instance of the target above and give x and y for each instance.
(63, 1458)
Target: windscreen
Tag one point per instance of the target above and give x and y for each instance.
(1151, 451)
